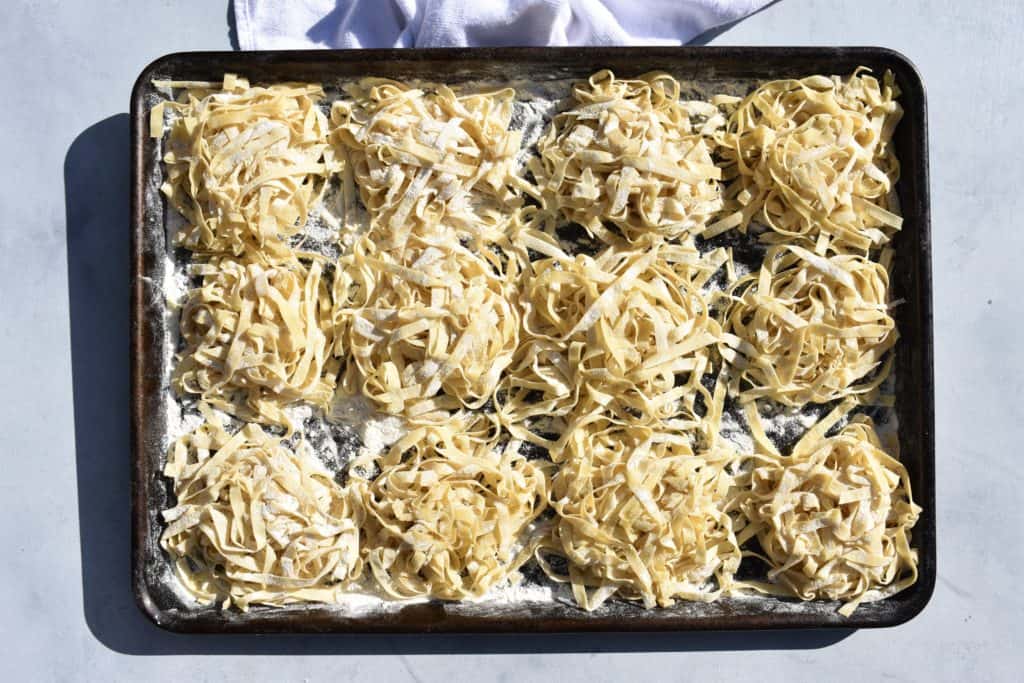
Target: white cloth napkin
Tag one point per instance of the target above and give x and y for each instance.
(296, 24)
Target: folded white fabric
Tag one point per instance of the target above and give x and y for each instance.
(295, 24)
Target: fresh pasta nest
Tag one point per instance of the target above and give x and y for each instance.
(426, 333)
(245, 164)
(813, 161)
(620, 333)
(640, 515)
(448, 516)
(628, 154)
(420, 158)
(257, 522)
(834, 520)
(257, 338)
(808, 328)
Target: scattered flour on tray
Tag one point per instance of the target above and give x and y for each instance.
(376, 431)
(736, 432)
(354, 429)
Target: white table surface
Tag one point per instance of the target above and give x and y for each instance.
(65, 75)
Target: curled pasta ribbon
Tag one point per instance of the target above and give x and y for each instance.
(625, 333)
(244, 165)
(257, 522)
(628, 154)
(420, 158)
(809, 328)
(812, 159)
(449, 516)
(428, 331)
(641, 516)
(834, 519)
(258, 338)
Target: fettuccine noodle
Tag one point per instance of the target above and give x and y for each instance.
(448, 516)
(245, 164)
(625, 333)
(459, 303)
(257, 522)
(427, 333)
(812, 159)
(629, 155)
(641, 516)
(428, 322)
(257, 338)
(809, 329)
(425, 157)
(834, 518)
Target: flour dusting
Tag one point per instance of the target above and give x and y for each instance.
(353, 430)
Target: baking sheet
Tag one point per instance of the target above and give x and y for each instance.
(542, 75)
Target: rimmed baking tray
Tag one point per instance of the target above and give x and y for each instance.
(911, 282)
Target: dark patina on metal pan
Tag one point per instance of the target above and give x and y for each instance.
(911, 282)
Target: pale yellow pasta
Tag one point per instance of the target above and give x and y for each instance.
(641, 516)
(813, 161)
(257, 338)
(244, 165)
(627, 154)
(449, 516)
(427, 318)
(809, 329)
(459, 305)
(834, 518)
(625, 333)
(426, 156)
(426, 331)
(257, 522)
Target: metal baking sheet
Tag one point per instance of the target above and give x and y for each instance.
(709, 69)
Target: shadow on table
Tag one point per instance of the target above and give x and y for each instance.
(232, 26)
(96, 186)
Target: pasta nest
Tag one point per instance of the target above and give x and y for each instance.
(449, 516)
(245, 165)
(257, 338)
(622, 334)
(642, 517)
(428, 329)
(257, 522)
(813, 159)
(628, 154)
(808, 329)
(421, 157)
(834, 519)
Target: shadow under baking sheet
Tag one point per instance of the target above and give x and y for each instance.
(96, 185)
